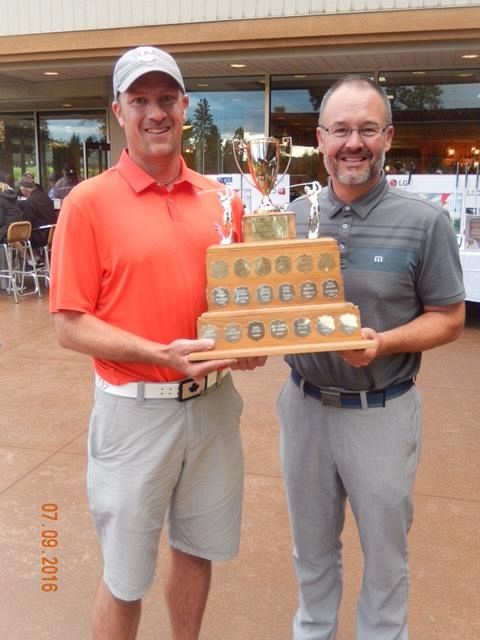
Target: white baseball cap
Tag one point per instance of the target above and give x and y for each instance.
(137, 62)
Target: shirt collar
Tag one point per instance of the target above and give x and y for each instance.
(140, 181)
(363, 205)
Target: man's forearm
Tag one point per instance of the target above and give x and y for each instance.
(87, 334)
(436, 326)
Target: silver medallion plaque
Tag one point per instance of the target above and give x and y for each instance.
(209, 331)
(241, 268)
(256, 330)
(348, 323)
(308, 290)
(262, 266)
(219, 269)
(304, 263)
(283, 264)
(220, 296)
(264, 294)
(241, 295)
(330, 288)
(326, 262)
(286, 292)
(232, 332)
(302, 327)
(325, 325)
(278, 329)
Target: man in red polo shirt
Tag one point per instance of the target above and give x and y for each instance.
(128, 283)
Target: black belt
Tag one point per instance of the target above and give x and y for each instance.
(351, 399)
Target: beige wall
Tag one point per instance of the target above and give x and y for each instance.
(53, 16)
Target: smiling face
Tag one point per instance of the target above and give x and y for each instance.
(151, 112)
(354, 163)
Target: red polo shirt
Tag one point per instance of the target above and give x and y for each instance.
(133, 254)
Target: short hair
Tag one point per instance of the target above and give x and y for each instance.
(362, 82)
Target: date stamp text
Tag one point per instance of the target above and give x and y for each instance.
(49, 544)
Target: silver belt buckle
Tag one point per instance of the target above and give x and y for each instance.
(330, 398)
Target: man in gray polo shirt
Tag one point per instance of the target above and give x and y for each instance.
(351, 420)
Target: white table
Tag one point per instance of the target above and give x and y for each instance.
(470, 260)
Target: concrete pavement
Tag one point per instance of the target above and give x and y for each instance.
(46, 395)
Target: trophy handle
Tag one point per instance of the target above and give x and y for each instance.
(239, 145)
(286, 142)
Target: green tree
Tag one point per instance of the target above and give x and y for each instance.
(205, 139)
(316, 97)
(415, 98)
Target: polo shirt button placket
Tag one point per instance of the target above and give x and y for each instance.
(344, 232)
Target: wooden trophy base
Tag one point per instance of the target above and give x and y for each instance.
(264, 275)
(279, 350)
(281, 330)
(277, 297)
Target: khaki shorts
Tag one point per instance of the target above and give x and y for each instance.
(147, 457)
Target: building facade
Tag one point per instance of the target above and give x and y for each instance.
(251, 67)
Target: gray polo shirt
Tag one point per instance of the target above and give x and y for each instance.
(398, 253)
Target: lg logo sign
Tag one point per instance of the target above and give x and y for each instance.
(403, 182)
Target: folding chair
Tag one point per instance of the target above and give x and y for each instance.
(18, 251)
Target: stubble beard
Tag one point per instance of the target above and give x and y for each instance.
(374, 169)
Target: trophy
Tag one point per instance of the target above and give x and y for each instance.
(314, 218)
(272, 293)
(262, 157)
(226, 230)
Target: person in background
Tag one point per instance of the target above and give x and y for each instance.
(7, 178)
(350, 420)
(128, 284)
(29, 177)
(38, 209)
(53, 178)
(69, 180)
(9, 210)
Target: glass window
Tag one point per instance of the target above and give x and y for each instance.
(436, 116)
(221, 109)
(17, 146)
(62, 137)
(295, 102)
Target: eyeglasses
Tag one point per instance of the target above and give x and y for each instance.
(346, 132)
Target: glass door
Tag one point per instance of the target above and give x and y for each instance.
(62, 136)
(96, 158)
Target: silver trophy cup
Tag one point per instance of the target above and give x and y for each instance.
(262, 157)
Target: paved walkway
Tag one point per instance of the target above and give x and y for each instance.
(45, 403)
